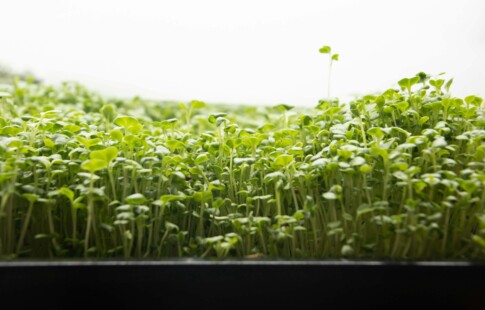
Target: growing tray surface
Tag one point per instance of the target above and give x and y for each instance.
(179, 284)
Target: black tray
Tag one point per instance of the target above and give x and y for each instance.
(240, 284)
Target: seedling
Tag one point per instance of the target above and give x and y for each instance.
(397, 175)
(332, 57)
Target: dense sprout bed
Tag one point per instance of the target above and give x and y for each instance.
(399, 175)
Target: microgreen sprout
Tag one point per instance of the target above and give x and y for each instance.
(394, 175)
(332, 57)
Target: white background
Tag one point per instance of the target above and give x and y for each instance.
(251, 52)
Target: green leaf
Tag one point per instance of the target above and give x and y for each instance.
(15, 143)
(357, 161)
(446, 102)
(423, 77)
(249, 160)
(400, 130)
(216, 185)
(414, 80)
(408, 83)
(365, 168)
(344, 154)
(167, 123)
(469, 186)
(404, 83)
(171, 226)
(49, 114)
(31, 197)
(283, 107)
(423, 120)
(201, 158)
(108, 154)
(49, 143)
(380, 151)
(11, 130)
(175, 144)
(136, 199)
(364, 210)
(419, 186)
(437, 83)
(116, 134)
(402, 105)
(94, 165)
(473, 100)
(43, 160)
(168, 198)
(221, 120)
(347, 250)
(274, 176)
(214, 239)
(283, 160)
(126, 121)
(335, 57)
(376, 132)
(213, 117)
(325, 49)
(329, 196)
(72, 128)
(448, 85)
(196, 170)
(401, 175)
(67, 192)
(108, 112)
(219, 202)
(204, 196)
(195, 104)
(88, 142)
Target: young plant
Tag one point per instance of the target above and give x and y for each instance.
(332, 57)
(397, 175)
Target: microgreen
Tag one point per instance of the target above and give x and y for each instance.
(332, 57)
(395, 175)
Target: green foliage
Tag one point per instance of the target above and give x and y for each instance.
(325, 49)
(135, 199)
(283, 107)
(130, 124)
(93, 165)
(396, 175)
(108, 112)
(407, 83)
(107, 155)
(195, 104)
(283, 160)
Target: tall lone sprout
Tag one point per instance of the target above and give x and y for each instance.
(333, 57)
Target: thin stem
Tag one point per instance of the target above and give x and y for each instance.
(25, 227)
(90, 215)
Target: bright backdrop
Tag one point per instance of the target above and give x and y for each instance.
(251, 51)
